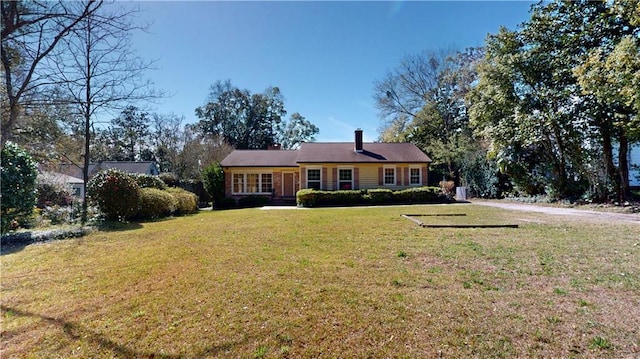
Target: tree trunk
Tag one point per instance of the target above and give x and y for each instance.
(623, 168)
(85, 167)
(87, 124)
(607, 153)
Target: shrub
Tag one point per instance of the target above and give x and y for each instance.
(115, 193)
(170, 179)
(149, 181)
(314, 198)
(253, 201)
(18, 182)
(213, 180)
(155, 203)
(419, 195)
(448, 188)
(57, 214)
(380, 195)
(196, 187)
(227, 202)
(187, 202)
(53, 194)
(307, 197)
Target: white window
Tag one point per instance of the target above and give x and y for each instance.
(415, 176)
(390, 176)
(252, 183)
(314, 178)
(345, 178)
(238, 182)
(266, 183)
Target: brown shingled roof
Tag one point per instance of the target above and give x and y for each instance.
(343, 152)
(125, 166)
(261, 158)
(334, 152)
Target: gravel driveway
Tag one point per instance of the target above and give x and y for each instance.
(606, 216)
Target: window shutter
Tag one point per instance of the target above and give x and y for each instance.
(324, 179)
(380, 176)
(425, 175)
(335, 178)
(356, 178)
(398, 171)
(406, 176)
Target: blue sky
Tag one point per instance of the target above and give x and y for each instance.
(324, 56)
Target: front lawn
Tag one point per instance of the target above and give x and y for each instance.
(331, 282)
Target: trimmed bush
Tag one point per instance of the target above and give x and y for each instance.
(253, 201)
(115, 193)
(419, 195)
(228, 202)
(170, 179)
(379, 195)
(187, 202)
(18, 182)
(149, 181)
(155, 203)
(315, 198)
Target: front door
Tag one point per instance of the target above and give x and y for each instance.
(287, 185)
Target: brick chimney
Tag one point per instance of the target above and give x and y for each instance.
(358, 142)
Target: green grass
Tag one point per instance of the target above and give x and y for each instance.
(357, 282)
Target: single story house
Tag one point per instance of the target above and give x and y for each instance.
(75, 184)
(136, 167)
(325, 166)
(73, 173)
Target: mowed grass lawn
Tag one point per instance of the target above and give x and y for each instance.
(333, 282)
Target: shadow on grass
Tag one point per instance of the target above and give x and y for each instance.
(11, 248)
(118, 226)
(15, 242)
(76, 331)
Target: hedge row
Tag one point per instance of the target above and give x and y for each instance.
(315, 198)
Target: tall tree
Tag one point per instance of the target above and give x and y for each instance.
(198, 152)
(242, 119)
(611, 74)
(404, 91)
(529, 103)
(295, 131)
(423, 101)
(166, 135)
(98, 68)
(131, 132)
(30, 32)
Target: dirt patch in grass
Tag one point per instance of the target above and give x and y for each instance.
(356, 282)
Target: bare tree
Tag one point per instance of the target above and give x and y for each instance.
(166, 137)
(403, 92)
(30, 32)
(98, 68)
(198, 152)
